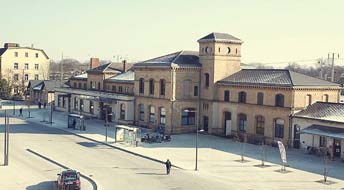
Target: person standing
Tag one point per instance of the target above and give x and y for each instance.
(44, 105)
(39, 105)
(21, 112)
(168, 166)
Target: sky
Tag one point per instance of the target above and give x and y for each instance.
(274, 32)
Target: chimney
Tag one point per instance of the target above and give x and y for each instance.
(9, 45)
(124, 65)
(94, 62)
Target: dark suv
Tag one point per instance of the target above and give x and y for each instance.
(68, 180)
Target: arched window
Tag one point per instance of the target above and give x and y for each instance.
(279, 128)
(122, 111)
(308, 100)
(162, 116)
(242, 97)
(260, 125)
(279, 100)
(206, 75)
(151, 86)
(162, 87)
(188, 116)
(151, 114)
(141, 86)
(187, 83)
(260, 98)
(325, 98)
(142, 112)
(242, 122)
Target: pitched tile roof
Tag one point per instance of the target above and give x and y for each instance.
(323, 111)
(109, 67)
(177, 59)
(273, 77)
(218, 37)
(127, 77)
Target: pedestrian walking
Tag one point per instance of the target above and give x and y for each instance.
(39, 105)
(21, 112)
(168, 166)
(44, 105)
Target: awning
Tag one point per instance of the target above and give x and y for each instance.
(326, 131)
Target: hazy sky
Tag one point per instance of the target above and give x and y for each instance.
(272, 31)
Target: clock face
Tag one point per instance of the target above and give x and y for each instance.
(229, 50)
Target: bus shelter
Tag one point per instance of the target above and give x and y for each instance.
(76, 121)
(126, 134)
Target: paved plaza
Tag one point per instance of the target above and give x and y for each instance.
(218, 158)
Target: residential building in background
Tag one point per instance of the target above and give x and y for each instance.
(19, 65)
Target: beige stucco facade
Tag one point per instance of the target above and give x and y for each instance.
(19, 65)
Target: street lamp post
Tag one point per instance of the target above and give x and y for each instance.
(196, 145)
(14, 106)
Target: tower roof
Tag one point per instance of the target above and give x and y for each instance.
(220, 37)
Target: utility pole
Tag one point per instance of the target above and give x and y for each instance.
(332, 67)
(6, 139)
(61, 71)
(106, 123)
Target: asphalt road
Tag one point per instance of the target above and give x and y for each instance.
(109, 168)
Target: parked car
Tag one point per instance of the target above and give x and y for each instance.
(68, 180)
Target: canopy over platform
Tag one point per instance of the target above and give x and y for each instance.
(326, 131)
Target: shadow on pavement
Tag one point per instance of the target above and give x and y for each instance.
(151, 173)
(46, 185)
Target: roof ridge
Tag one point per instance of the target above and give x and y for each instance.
(291, 79)
(180, 52)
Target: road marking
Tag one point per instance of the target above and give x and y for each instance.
(94, 184)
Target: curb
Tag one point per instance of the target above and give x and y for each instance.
(106, 144)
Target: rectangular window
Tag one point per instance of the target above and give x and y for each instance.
(226, 96)
(16, 77)
(26, 54)
(142, 112)
(85, 86)
(162, 116)
(75, 103)
(188, 117)
(187, 87)
(81, 105)
(16, 65)
(36, 77)
(120, 89)
(79, 85)
(26, 77)
(36, 55)
(322, 141)
(91, 107)
(16, 54)
(113, 88)
(26, 66)
(195, 90)
(36, 66)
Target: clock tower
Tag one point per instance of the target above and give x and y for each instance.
(219, 55)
